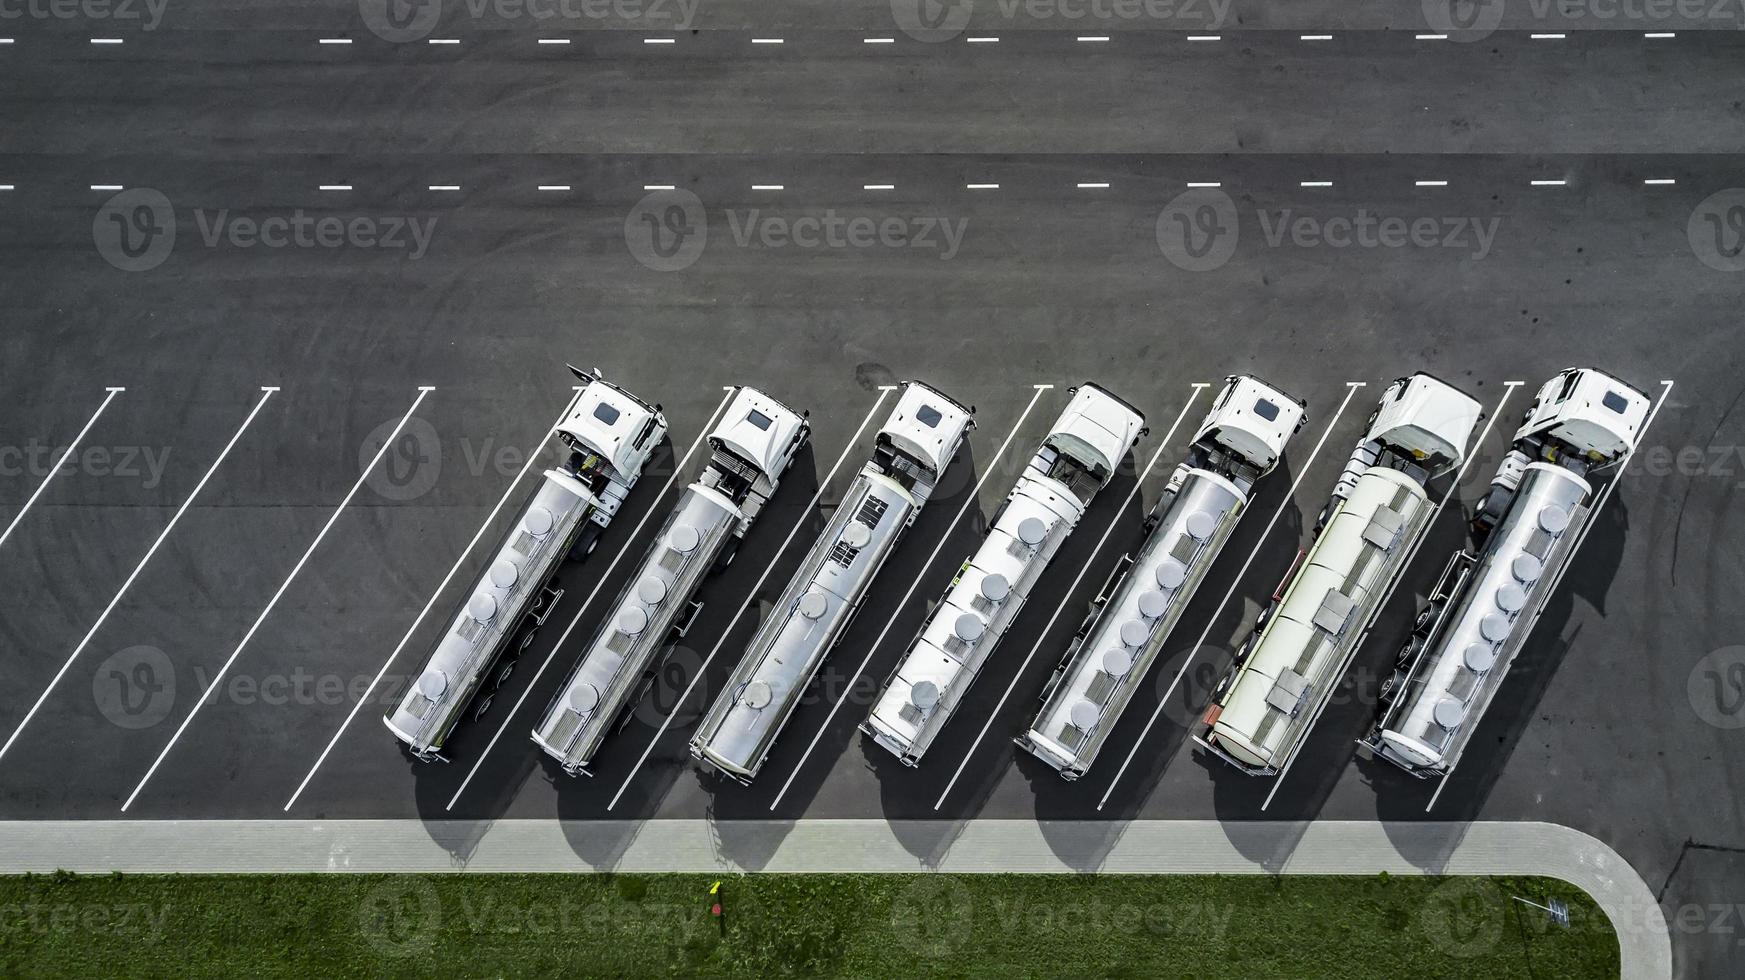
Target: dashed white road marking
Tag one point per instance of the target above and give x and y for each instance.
(1094, 185)
(106, 187)
(1660, 34)
(878, 40)
(1665, 389)
(56, 471)
(485, 525)
(106, 40)
(336, 187)
(1432, 37)
(1411, 553)
(1093, 38)
(1546, 37)
(218, 678)
(878, 187)
(1660, 181)
(1205, 183)
(7, 187)
(1430, 183)
(659, 40)
(1315, 37)
(1316, 183)
(334, 40)
(1047, 628)
(767, 187)
(805, 516)
(554, 40)
(658, 187)
(445, 187)
(1549, 183)
(582, 610)
(443, 40)
(1302, 473)
(554, 187)
(1205, 37)
(102, 617)
(982, 40)
(969, 501)
(766, 40)
(982, 187)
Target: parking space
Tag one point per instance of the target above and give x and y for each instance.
(1148, 286)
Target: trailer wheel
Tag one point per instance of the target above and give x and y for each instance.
(484, 706)
(527, 639)
(503, 675)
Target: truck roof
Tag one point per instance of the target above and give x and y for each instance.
(1252, 419)
(758, 429)
(609, 421)
(927, 425)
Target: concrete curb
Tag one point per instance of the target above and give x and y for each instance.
(876, 846)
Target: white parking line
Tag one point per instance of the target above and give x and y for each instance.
(56, 471)
(969, 501)
(1096, 549)
(581, 611)
(532, 458)
(1665, 389)
(1302, 473)
(266, 393)
(805, 514)
(1405, 565)
(333, 518)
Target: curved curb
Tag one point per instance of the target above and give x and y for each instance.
(866, 846)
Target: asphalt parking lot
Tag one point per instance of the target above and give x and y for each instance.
(973, 217)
